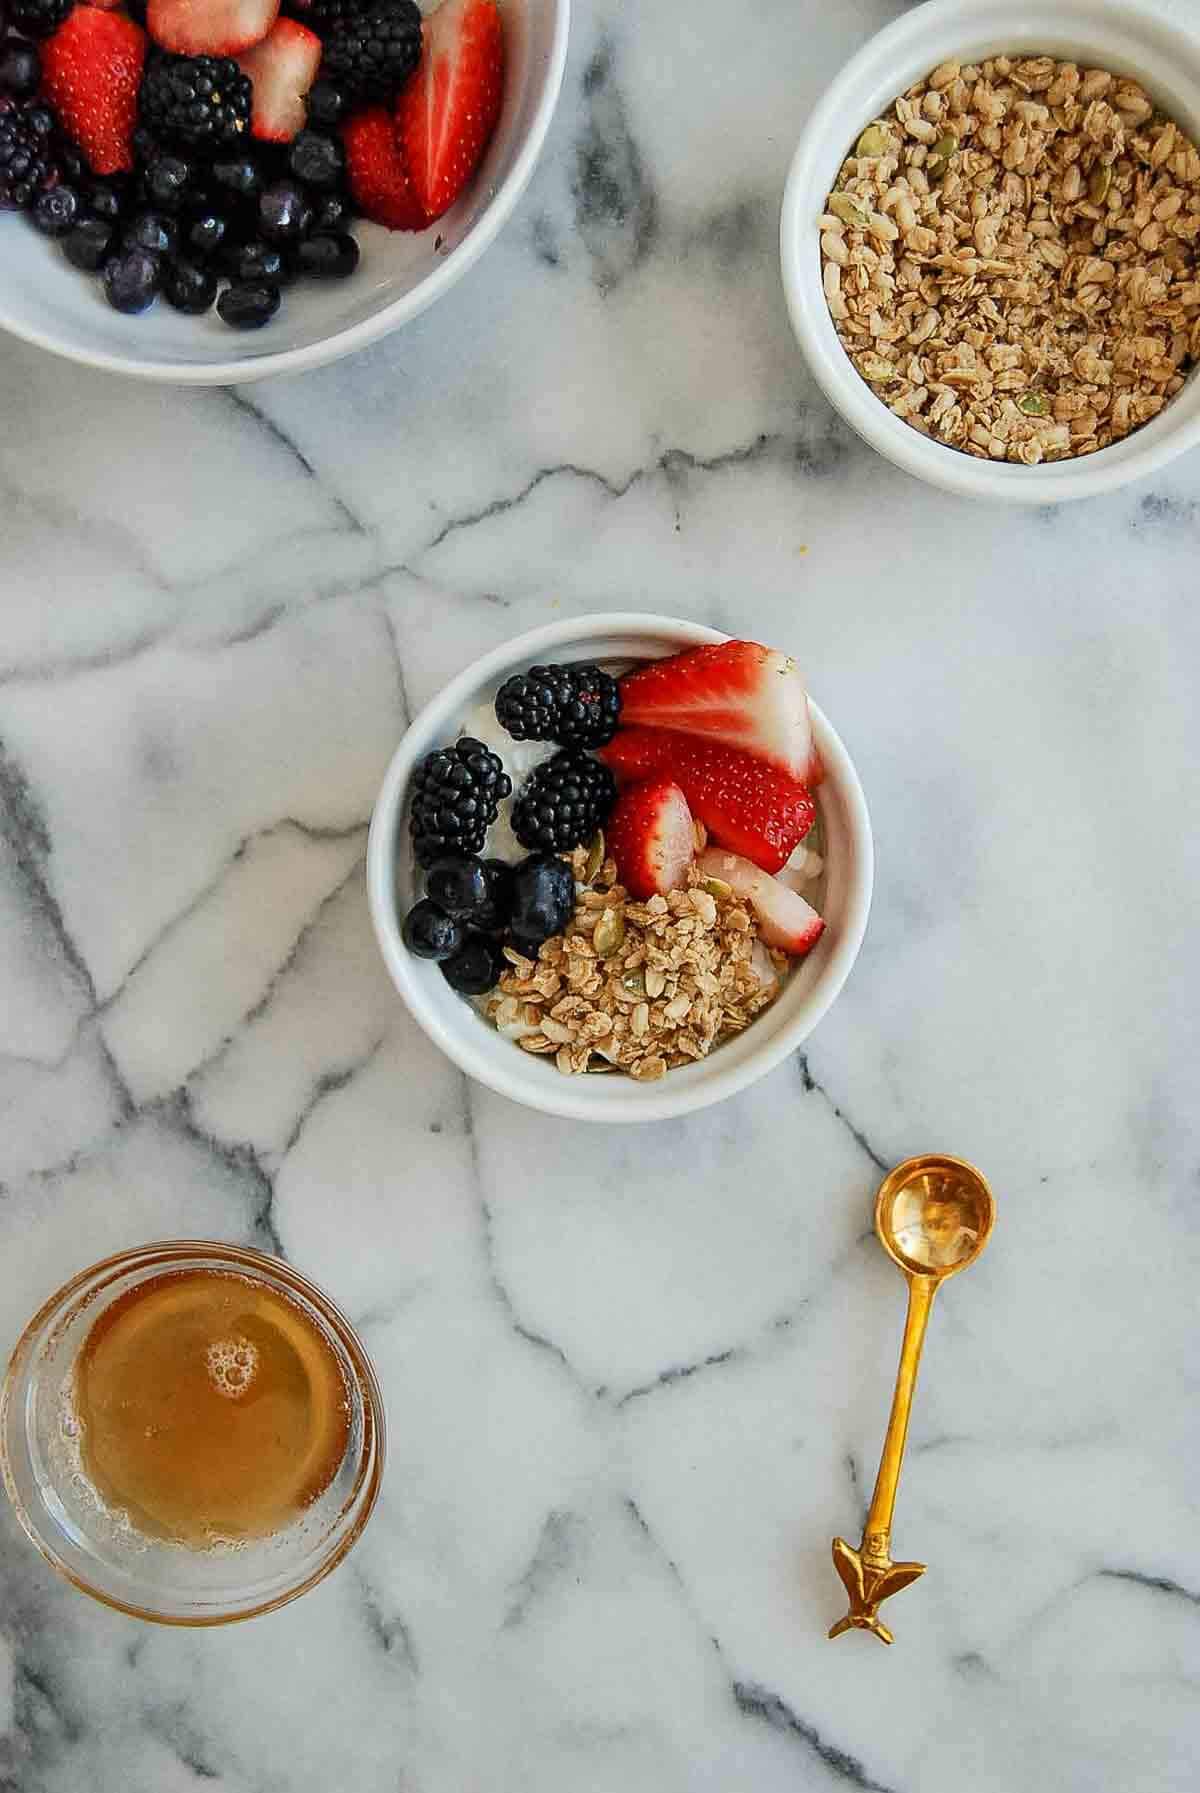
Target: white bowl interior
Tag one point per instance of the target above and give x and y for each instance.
(466, 1037)
(1100, 33)
(46, 301)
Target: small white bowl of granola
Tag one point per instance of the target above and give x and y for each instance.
(627, 1002)
(990, 245)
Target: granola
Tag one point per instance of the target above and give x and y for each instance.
(637, 987)
(1010, 258)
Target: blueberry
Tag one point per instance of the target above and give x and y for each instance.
(205, 233)
(258, 263)
(317, 160)
(167, 182)
(432, 934)
(20, 68)
(72, 165)
(87, 246)
(150, 230)
(189, 288)
(55, 212)
(248, 307)
(328, 255)
(237, 174)
(326, 103)
(543, 899)
(132, 279)
(39, 120)
(283, 212)
(106, 202)
(477, 968)
(332, 212)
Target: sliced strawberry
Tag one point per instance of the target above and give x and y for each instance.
(737, 692)
(784, 918)
(448, 110)
(376, 175)
(745, 804)
(91, 69)
(282, 69)
(210, 27)
(649, 834)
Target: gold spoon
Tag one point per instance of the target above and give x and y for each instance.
(933, 1215)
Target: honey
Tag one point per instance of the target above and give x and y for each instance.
(209, 1407)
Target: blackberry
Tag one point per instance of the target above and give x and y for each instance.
(322, 15)
(39, 18)
(199, 100)
(563, 803)
(371, 55)
(576, 706)
(456, 793)
(27, 164)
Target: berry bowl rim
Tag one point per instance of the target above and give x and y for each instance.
(469, 1041)
(493, 216)
(1122, 35)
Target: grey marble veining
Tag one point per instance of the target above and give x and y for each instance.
(635, 1381)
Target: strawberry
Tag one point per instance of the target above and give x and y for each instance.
(210, 27)
(376, 175)
(281, 68)
(746, 805)
(448, 110)
(737, 692)
(649, 834)
(784, 918)
(91, 69)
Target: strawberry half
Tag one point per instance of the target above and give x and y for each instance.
(738, 692)
(376, 175)
(210, 27)
(281, 69)
(448, 110)
(784, 918)
(746, 805)
(91, 69)
(649, 834)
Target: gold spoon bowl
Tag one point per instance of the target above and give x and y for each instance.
(933, 1217)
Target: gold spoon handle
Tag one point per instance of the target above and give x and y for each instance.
(868, 1573)
(878, 1531)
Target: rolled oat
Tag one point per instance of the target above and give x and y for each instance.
(669, 979)
(1010, 258)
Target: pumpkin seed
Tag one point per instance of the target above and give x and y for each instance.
(874, 141)
(610, 932)
(849, 209)
(1034, 404)
(717, 887)
(1099, 181)
(595, 857)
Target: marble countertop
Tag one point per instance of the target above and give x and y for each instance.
(636, 1380)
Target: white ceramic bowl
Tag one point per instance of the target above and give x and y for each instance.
(474, 1045)
(1126, 38)
(49, 303)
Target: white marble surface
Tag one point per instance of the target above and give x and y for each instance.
(635, 1381)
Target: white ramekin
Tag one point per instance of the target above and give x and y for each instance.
(1111, 34)
(472, 1043)
(48, 303)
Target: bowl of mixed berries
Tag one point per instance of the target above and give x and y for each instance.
(222, 189)
(620, 867)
